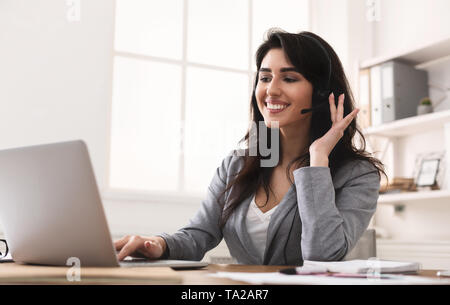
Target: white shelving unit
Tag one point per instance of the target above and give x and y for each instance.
(414, 197)
(421, 57)
(410, 126)
(397, 238)
(407, 127)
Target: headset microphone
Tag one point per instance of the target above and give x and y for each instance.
(317, 108)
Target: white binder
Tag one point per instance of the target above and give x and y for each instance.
(375, 95)
(364, 99)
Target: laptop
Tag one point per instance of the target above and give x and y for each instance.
(51, 210)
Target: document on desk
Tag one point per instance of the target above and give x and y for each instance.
(366, 266)
(276, 278)
(353, 272)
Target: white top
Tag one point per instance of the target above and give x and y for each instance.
(257, 224)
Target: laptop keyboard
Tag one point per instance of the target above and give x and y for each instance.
(175, 264)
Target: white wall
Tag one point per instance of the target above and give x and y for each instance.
(408, 23)
(55, 76)
(55, 85)
(330, 21)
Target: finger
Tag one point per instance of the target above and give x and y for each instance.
(340, 108)
(121, 242)
(332, 107)
(340, 126)
(350, 117)
(128, 249)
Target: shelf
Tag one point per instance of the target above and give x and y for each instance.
(431, 63)
(413, 242)
(419, 56)
(414, 197)
(410, 126)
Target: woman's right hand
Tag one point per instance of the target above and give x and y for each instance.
(140, 246)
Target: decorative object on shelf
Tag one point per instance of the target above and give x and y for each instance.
(398, 185)
(429, 171)
(444, 92)
(425, 106)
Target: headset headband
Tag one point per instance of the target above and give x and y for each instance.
(327, 56)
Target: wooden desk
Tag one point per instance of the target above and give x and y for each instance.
(199, 277)
(185, 277)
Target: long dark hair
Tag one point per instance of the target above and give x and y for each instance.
(305, 54)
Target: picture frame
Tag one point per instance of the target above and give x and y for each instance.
(429, 170)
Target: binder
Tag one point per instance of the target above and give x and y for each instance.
(364, 99)
(388, 105)
(396, 89)
(403, 86)
(375, 96)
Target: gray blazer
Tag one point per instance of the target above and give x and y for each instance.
(320, 218)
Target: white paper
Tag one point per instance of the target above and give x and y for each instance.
(276, 278)
(364, 266)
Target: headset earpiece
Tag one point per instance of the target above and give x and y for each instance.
(320, 96)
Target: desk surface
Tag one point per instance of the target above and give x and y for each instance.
(198, 277)
(188, 277)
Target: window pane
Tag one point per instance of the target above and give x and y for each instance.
(290, 15)
(216, 119)
(217, 33)
(150, 27)
(145, 125)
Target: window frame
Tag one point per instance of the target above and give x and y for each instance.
(180, 195)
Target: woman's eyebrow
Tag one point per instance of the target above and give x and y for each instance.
(286, 69)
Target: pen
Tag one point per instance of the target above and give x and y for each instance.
(364, 276)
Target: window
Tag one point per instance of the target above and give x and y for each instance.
(183, 74)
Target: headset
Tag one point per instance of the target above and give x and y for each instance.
(320, 93)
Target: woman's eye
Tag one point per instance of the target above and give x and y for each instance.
(267, 79)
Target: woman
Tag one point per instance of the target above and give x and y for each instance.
(317, 201)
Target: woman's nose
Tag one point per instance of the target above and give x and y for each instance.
(273, 89)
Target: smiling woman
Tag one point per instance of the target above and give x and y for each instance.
(317, 201)
(299, 72)
(281, 86)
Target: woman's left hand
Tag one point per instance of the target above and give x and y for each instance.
(321, 148)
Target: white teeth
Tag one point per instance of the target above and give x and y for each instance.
(275, 106)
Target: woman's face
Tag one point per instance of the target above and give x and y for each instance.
(282, 92)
